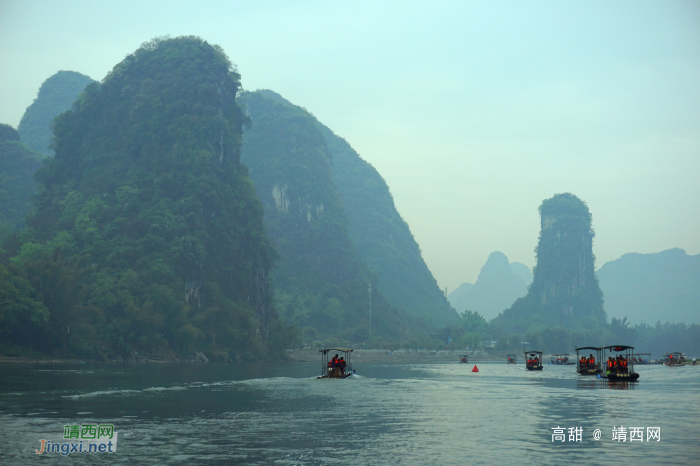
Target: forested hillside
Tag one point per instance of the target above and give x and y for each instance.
(146, 234)
(382, 238)
(55, 96)
(321, 283)
(17, 167)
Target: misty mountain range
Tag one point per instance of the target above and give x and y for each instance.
(499, 284)
(647, 288)
(315, 224)
(328, 212)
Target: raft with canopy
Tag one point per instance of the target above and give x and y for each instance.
(511, 358)
(674, 359)
(560, 360)
(529, 360)
(586, 368)
(328, 371)
(643, 359)
(463, 359)
(625, 373)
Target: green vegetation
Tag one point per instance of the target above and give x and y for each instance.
(17, 166)
(564, 292)
(320, 283)
(660, 339)
(564, 305)
(146, 233)
(56, 95)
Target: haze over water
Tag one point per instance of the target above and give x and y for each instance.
(426, 413)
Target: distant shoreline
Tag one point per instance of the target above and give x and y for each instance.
(306, 355)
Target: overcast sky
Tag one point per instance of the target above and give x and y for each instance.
(472, 112)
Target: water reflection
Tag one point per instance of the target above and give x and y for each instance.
(619, 385)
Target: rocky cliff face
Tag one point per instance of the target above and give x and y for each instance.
(320, 282)
(565, 261)
(382, 238)
(565, 289)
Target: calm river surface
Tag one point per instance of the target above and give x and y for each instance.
(409, 414)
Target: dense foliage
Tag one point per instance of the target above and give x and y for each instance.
(146, 233)
(382, 238)
(321, 284)
(17, 167)
(56, 95)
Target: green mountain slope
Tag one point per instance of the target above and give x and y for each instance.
(382, 238)
(17, 167)
(320, 281)
(153, 235)
(652, 287)
(56, 95)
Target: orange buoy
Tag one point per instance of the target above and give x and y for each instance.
(476, 369)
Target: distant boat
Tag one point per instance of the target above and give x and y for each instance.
(339, 370)
(584, 365)
(533, 360)
(640, 360)
(511, 358)
(676, 359)
(463, 359)
(560, 360)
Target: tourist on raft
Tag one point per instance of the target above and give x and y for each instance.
(337, 365)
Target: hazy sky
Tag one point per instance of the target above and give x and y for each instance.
(472, 112)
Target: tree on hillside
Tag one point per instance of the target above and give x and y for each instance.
(146, 183)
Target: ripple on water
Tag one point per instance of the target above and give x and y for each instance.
(389, 414)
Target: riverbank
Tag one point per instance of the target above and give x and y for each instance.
(305, 355)
(409, 356)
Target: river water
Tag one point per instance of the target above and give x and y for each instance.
(408, 414)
